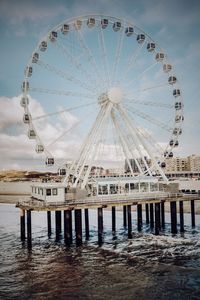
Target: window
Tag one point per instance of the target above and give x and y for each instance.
(48, 192)
(55, 192)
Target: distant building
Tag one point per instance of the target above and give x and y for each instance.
(194, 163)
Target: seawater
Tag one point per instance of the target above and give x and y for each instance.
(145, 267)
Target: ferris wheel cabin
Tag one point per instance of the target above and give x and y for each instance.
(129, 31)
(65, 29)
(117, 26)
(104, 23)
(140, 38)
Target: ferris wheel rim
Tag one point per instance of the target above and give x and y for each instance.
(84, 18)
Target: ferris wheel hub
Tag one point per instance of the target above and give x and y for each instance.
(113, 95)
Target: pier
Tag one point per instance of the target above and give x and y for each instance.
(153, 205)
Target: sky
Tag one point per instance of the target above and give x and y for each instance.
(174, 24)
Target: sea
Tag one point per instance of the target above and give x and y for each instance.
(144, 267)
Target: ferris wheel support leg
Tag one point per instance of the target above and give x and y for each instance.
(143, 143)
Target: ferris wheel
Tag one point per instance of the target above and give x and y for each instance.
(98, 93)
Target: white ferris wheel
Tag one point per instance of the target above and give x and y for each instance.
(107, 96)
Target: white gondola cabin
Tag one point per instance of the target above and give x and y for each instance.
(43, 46)
(151, 47)
(167, 68)
(179, 118)
(176, 93)
(49, 161)
(172, 80)
(78, 24)
(35, 58)
(117, 26)
(91, 22)
(177, 131)
(160, 56)
(25, 86)
(27, 118)
(129, 31)
(53, 36)
(24, 101)
(39, 148)
(65, 29)
(140, 38)
(178, 105)
(31, 134)
(29, 71)
(62, 172)
(104, 23)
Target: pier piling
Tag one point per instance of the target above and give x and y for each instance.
(113, 219)
(162, 205)
(192, 213)
(181, 216)
(49, 223)
(68, 227)
(157, 218)
(124, 215)
(22, 224)
(58, 223)
(139, 217)
(129, 222)
(78, 226)
(87, 234)
(173, 217)
(29, 230)
(100, 224)
(151, 216)
(147, 213)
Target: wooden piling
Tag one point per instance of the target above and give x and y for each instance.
(157, 218)
(49, 223)
(147, 213)
(22, 224)
(173, 217)
(162, 204)
(87, 233)
(29, 229)
(113, 219)
(151, 216)
(181, 213)
(139, 217)
(78, 226)
(192, 213)
(58, 223)
(67, 226)
(100, 224)
(129, 222)
(124, 215)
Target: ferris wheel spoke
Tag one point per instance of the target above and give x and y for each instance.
(63, 111)
(90, 57)
(147, 136)
(131, 82)
(60, 92)
(125, 147)
(132, 60)
(148, 103)
(64, 75)
(149, 119)
(144, 89)
(75, 61)
(142, 141)
(117, 56)
(134, 143)
(104, 55)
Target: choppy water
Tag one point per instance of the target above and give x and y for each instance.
(146, 267)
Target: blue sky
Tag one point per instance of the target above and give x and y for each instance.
(173, 24)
